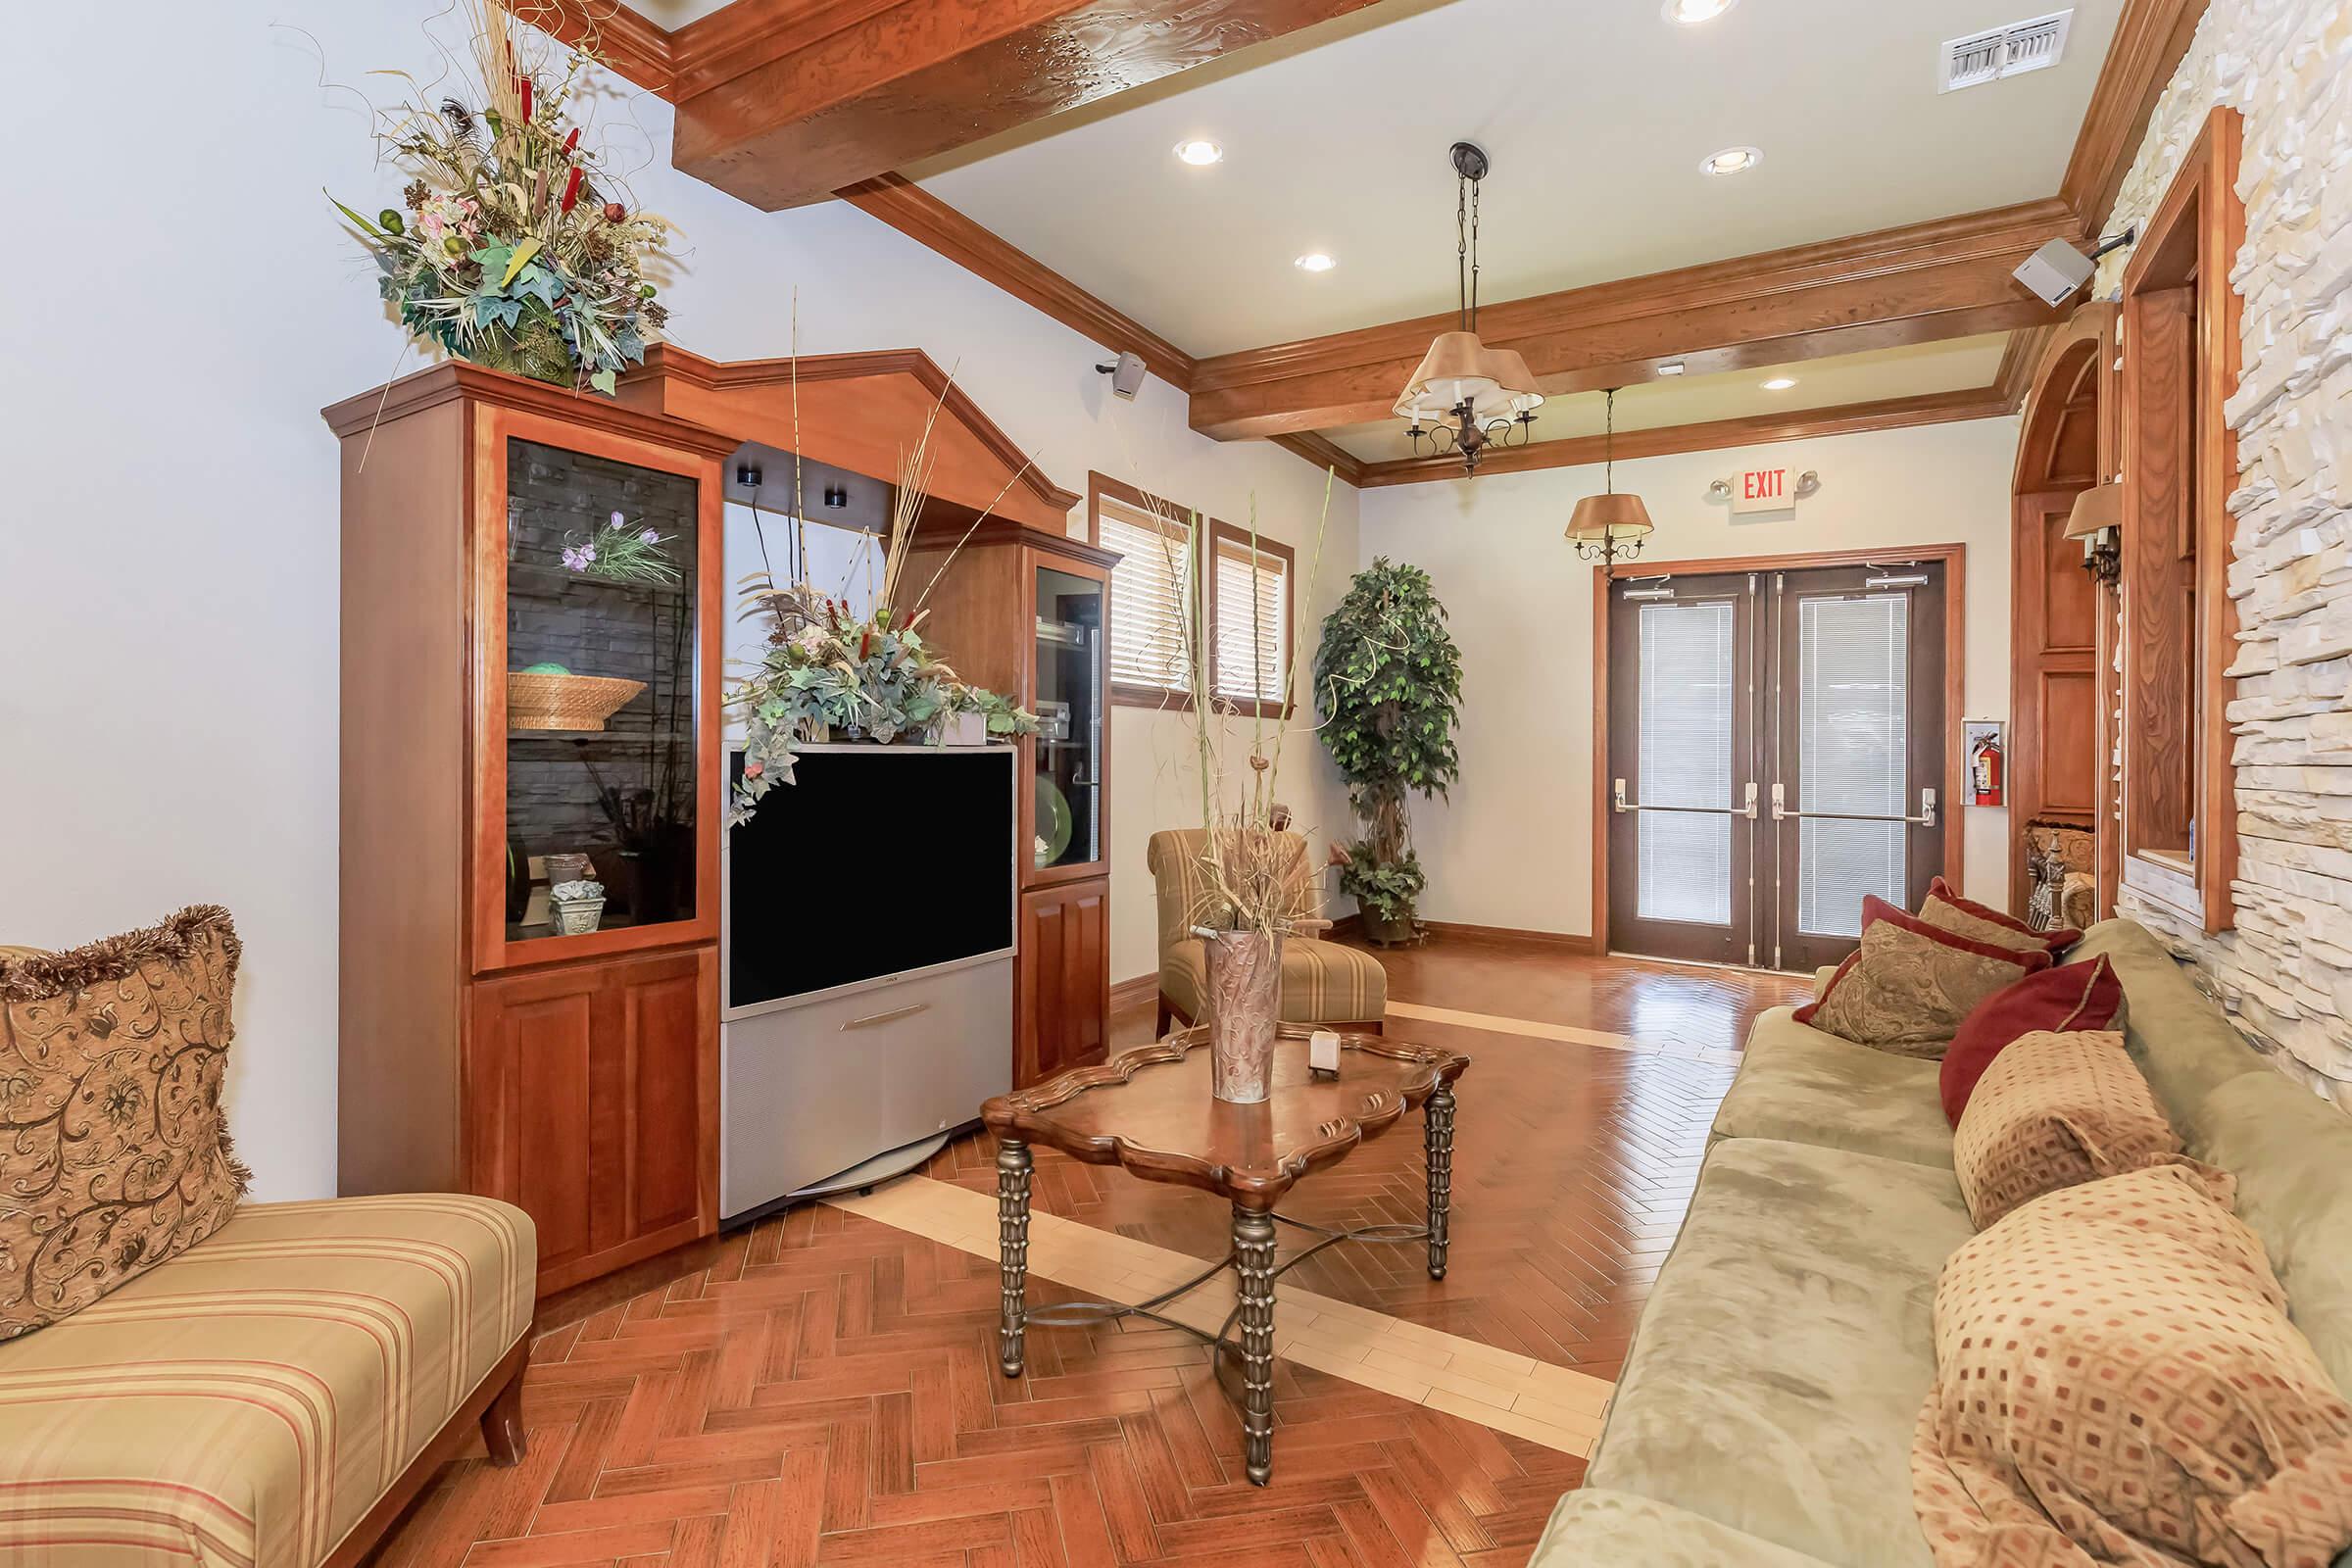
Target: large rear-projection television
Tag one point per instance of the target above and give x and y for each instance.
(877, 863)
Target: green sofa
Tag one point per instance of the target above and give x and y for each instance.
(1765, 1415)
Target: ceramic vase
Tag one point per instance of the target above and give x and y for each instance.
(1245, 996)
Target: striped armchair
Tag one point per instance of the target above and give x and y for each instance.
(1322, 982)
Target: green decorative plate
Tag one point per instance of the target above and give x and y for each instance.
(1054, 823)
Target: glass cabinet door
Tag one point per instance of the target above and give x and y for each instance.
(603, 700)
(1068, 787)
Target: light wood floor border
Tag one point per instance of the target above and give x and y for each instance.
(1553, 1405)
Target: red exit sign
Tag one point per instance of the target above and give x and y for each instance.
(1762, 490)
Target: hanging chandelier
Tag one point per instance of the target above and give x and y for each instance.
(1609, 527)
(1470, 397)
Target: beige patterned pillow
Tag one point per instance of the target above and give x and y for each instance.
(2053, 1110)
(1908, 986)
(116, 1155)
(2117, 1381)
(1947, 910)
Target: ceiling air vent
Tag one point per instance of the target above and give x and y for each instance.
(2009, 51)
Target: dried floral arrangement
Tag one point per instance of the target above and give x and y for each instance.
(827, 674)
(513, 246)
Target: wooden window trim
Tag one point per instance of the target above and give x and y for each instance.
(1221, 533)
(2191, 241)
(1099, 488)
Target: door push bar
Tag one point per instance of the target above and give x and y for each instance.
(1621, 803)
(1782, 814)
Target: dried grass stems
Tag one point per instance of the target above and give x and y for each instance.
(1254, 873)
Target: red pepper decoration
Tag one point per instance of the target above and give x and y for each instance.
(527, 100)
(572, 189)
(571, 142)
(865, 643)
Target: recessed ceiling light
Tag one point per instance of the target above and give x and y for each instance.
(1671, 367)
(1200, 152)
(1690, 13)
(1314, 261)
(1779, 383)
(1732, 160)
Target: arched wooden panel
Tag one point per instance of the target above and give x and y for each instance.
(2062, 691)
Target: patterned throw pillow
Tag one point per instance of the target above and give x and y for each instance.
(2117, 1381)
(2061, 1001)
(2054, 1111)
(1909, 985)
(1947, 910)
(116, 1154)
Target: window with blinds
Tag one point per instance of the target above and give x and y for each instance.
(1148, 589)
(1249, 598)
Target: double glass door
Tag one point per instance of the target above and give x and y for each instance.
(1776, 753)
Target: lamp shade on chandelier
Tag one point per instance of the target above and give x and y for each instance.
(1468, 396)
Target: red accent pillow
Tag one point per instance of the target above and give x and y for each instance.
(2053, 940)
(2070, 999)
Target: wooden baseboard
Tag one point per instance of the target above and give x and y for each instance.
(1563, 941)
(1138, 992)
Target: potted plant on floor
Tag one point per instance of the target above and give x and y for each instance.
(1388, 681)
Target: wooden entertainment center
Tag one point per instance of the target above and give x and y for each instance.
(577, 1075)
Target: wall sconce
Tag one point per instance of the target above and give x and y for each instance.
(2098, 521)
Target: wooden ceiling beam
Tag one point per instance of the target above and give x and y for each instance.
(783, 102)
(2150, 39)
(1921, 283)
(1748, 431)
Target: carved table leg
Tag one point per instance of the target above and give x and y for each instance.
(1439, 1130)
(1013, 1251)
(1254, 1251)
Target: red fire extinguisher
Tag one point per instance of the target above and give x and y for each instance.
(1985, 770)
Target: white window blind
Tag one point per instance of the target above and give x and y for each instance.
(1147, 587)
(1252, 635)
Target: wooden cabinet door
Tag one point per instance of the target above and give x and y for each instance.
(592, 1104)
(1061, 991)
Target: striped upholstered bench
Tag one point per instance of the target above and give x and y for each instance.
(274, 1397)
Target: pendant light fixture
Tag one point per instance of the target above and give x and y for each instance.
(1471, 396)
(1609, 527)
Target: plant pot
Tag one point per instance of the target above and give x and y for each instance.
(1387, 931)
(576, 918)
(1245, 996)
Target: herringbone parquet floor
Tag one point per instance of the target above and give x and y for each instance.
(826, 1391)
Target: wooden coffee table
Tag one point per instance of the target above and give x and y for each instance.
(1150, 1112)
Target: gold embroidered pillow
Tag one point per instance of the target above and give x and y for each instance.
(1909, 984)
(1947, 910)
(2117, 1381)
(2054, 1111)
(116, 1154)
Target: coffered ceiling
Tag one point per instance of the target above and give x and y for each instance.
(1596, 115)
(1866, 255)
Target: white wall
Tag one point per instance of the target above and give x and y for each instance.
(1513, 847)
(184, 304)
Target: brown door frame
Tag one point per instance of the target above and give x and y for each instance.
(1954, 559)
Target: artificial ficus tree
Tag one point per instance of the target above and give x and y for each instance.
(1389, 686)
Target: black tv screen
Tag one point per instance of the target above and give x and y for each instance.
(876, 861)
